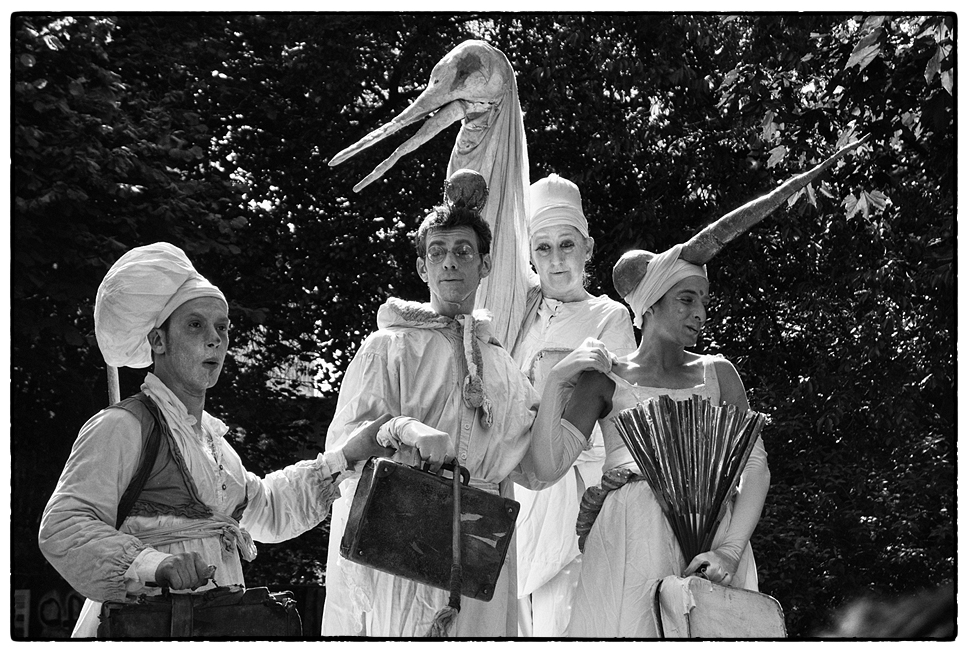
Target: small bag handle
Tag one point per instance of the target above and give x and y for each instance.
(451, 467)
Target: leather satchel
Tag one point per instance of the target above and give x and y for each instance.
(231, 612)
(401, 522)
(696, 608)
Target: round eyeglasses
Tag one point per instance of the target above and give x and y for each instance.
(463, 254)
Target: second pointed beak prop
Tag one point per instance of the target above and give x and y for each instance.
(631, 268)
(438, 122)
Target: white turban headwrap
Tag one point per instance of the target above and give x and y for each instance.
(556, 201)
(140, 291)
(663, 272)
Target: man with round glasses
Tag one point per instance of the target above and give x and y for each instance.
(435, 365)
(464, 253)
(451, 264)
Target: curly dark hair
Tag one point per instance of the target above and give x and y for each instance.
(447, 216)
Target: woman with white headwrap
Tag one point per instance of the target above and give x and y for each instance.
(561, 315)
(631, 545)
(199, 510)
(628, 545)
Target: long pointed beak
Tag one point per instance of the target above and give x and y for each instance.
(438, 122)
(448, 109)
(424, 105)
(466, 83)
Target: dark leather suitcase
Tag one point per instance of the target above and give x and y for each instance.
(231, 612)
(401, 522)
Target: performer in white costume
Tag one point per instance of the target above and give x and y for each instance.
(199, 509)
(561, 315)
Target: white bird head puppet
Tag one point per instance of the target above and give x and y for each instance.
(474, 83)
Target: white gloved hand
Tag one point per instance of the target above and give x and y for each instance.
(591, 355)
(433, 446)
(717, 565)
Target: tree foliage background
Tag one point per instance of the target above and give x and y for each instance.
(214, 131)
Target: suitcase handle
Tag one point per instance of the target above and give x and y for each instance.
(450, 466)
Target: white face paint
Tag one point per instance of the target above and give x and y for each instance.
(452, 281)
(190, 353)
(559, 254)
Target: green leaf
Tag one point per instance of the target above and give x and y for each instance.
(948, 79)
(934, 64)
(865, 51)
(851, 204)
(53, 42)
(877, 199)
(776, 155)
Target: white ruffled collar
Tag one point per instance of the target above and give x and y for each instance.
(175, 411)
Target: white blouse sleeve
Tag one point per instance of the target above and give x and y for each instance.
(288, 502)
(77, 534)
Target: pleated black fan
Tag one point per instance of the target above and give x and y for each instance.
(692, 453)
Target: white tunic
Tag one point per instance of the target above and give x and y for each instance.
(415, 365)
(546, 538)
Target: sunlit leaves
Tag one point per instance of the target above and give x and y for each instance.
(866, 202)
(865, 50)
(775, 156)
(941, 62)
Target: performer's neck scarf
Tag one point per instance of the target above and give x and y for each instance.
(474, 327)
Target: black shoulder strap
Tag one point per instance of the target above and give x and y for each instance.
(150, 426)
